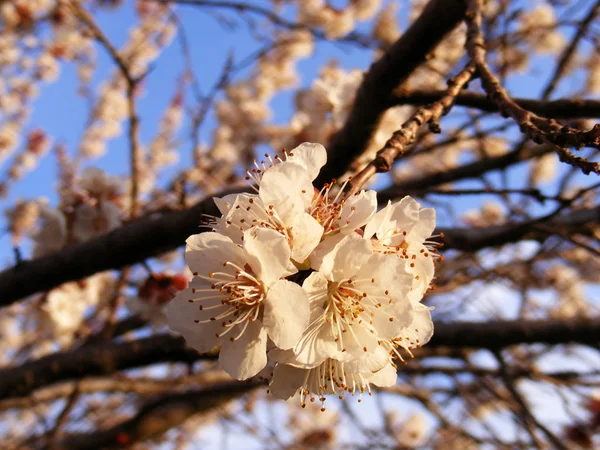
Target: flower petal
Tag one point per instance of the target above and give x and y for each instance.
(268, 254)
(377, 221)
(318, 342)
(384, 377)
(344, 258)
(309, 155)
(357, 211)
(370, 362)
(286, 381)
(225, 203)
(306, 235)
(245, 211)
(181, 316)
(206, 252)
(286, 313)
(246, 356)
(288, 188)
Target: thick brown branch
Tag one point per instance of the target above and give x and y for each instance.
(557, 109)
(373, 96)
(149, 237)
(157, 417)
(98, 359)
(126, 245)
(115, 356)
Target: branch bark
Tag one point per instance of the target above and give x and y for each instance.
(103, 359)
(156, 417)
(152, 236)
(373, 96)
(557, 109)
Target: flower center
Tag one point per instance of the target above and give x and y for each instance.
(239, 291)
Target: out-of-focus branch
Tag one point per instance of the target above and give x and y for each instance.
(156, 417)
(128, 244)
(132, 82)
(557, 109)
(122, 384)
(151, 236)
(271, 16)
(569, 52)
(400, 139)
(103, 359)
(373, 96)
(98, 359)
(466, 171)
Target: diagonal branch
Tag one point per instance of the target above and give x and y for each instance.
(558, 109)
(373, 96)
(106, 358)
(400, 139)
(539, 129)
(157, 417)
(151, 236)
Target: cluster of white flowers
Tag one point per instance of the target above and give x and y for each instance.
(490, 214)
(65, 306)
(90, 207)
(322, 286)
(336, 22)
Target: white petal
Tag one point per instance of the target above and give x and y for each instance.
(246, 356)
(421, 267)
(306, 235)
(357, 211)
(323, 249)
(288, 357)
(286, 313)
(206, 252)
(288, 188)
(402, 218)
(377, 221)
(421, 326)
(343, 259)
(311, 156)
(225, 203)
(370, 362)
(384, 377)
(286, 381)
(389, 274)
(181, 315)
(245, 211)
(317, 343)
(426, 223)
(315, 347)
(269, 254)
(355, 342)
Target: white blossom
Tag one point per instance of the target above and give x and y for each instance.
(238, 297)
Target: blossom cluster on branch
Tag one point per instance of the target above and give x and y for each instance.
(314, 290)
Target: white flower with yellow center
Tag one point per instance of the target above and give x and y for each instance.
(238, 297)
(357, 299)
(403, 229)
(286, 202)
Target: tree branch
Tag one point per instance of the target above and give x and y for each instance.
(156, 417)
(148, 237)
(557, 109)
(373, 96)
(103, 359)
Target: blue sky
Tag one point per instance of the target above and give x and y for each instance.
(62, 113)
